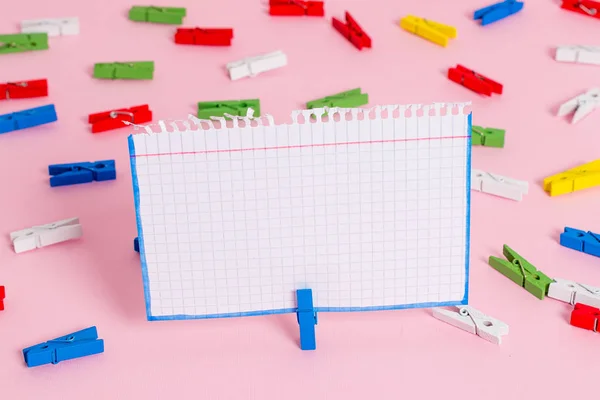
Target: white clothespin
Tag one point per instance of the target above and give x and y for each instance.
(53, 27)
(578, 54)
(582, 105)
(573, 292)
(253, 66)
(471, 320)
(498, 185)
(45, 235)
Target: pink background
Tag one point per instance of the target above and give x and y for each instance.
(377, 355)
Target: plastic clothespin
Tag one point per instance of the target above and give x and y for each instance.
(296, 8)
(204, 36)
(40, 236)
(252, 66)
(586, 242)
(474, 81)
(113, 119)
(52, 26)
(581, 105)
(2, 297)
(578, 54)
(208, 109)
(74, 345)
(348, 99)
(430, 30)
(27, 118)
(24, 89)
(488, 137)
(586, 317)
(81, 172)
(352, 31)
(19, 43)
(498, 185)
(573, 292)
(124, 70)
(497, 11)
(473, 321)
(136, 244)
(521, 272)
(585, 7)
(159, 15)
(307, 319)
(582, 177)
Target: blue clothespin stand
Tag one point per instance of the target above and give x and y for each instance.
(307, 319)
(75, 345)
(498, 11)
(136, 244)
(84, 172)
(586, 242)
(27, 118)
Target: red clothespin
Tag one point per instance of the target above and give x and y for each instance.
(585, 7)
(296, 7)
(204, 37)
(474, 81)
(23, 89)
(2, 296)
(352, 31)
(586, 317)
(113, 119)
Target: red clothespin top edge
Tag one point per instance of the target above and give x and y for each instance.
(474, 80)
(204, 36)
(24, 89)
(352, 31)
(296, 8)
(585, 7)
(113, 119)
(2, 296)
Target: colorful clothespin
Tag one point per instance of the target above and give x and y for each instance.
(429, 30)
(307, 319)
(586, 317)
(474, 81)
(498, 185)
(581, 105)
(582, 177)
(208, 109)
(498, 11)
(23, 89)
(27, 118)
(296, 7)
(159, 15)
(473, 321)
(488, 137)
(124, 70)
(252, 66)
(40, 236)
(74, 345)
(573, 292)
(204, 36)
(82, 172)
(114, 119)
(521, 272)
(19, 43)
(136, 244)
(2, 297)
(352, 31)
(578, 54)
(586, 242)
(52, 26)
(585, 7)
(348, 99)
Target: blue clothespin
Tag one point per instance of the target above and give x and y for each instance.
(136, 244)
(586, 242)
(498, 11)
(75, 345)
(307, 319)
(27, 118)
(83, 172)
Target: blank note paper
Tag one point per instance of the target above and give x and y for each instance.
(368, 208)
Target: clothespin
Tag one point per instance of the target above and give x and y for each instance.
(40, 236)
(113, 119)
(252, 66)
(52, 26)
(19, 43)
(581, 105)
(348, 99)
(296, 7)
(159, 15)
(136, 244)
(204, 36)
(473, 321)
(488, 137)
(74, 345)
(521, 272)
(578, 54)
(586, 242)
(124, 70)
(474, 81)
(23, 89)
(585, 7)
(582, 177)
(207, 109)
(82, 172)
(430, 30)
(498, 11)
(586, 317)
(27, 118)
(498, 185)
(307, 319)
(352, 31)
(573, 292)
(2, 297)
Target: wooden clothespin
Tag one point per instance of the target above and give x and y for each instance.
(52, 26)
(81, 172)
(296, 8)
(586, 317)
(498, 185)
(2, 297)
(488, 137)
(430, 30)
(19, 43)
(578, 54)
(586, 242)
(585, 7)
(307, 319)
(581, 105)
(24, 89)
(27, 118)
(572, 180)
(348, 99)
(352, 31)
(208, 109)
(474, 81)
(573, 292)
(473, 321)
(124, 70)
(114, 119)
(45, 235)
(159, 15)
(498, 11)
(204, 36)
(252, 66)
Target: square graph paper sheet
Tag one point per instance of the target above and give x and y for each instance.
(368, 208)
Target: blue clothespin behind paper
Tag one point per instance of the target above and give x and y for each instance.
(75, 345)
(83, 172)
(498, 11)
(27, 118)
(307, 319)
(136, 244)
(586, 242)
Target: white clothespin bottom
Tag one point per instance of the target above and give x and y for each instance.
(46, 235)
(473, 321)
(53, 27)
(498, 185)
(253, 66)
(573, 292)
(582, 105)
(578, 54)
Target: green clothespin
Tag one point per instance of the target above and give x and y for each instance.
(521, 272)
(489, 137)
(124, 70)
(23, 42)
(207, 109)
(349, 99)
(159, 15)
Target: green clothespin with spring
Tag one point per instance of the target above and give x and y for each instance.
(159, 15)
(124, 70)
(207, 109)
(349, 99)
(488, 137)
(19, 43)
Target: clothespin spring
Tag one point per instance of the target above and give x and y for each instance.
(114, 75)
(70, 339)
(7, 93)
(465, 313)
(589, 11)
(114, 114)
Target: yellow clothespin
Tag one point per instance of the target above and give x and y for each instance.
(430, 30)
(574, 179)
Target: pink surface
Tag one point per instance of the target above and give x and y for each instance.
(377, 355)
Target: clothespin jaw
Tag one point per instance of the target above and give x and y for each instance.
(585, 7)
(45, 235)
(159, 15)
(348, 99)
(208, 109)
(586, 317)
(433, 31)
(19, 43)
(488, 137)
(352, 31)
(296, 8)
(83, 172)
(573, 292)
(124, 70)
(24, 89)
(586, 242)
(27, 118)
(307, 319)
(204, 36)
(2, 297)
(583, 177)
(136, 244)
(473, 321)
(474, 81)
(497, 11)
(53, 26)
(114, 119)
(581, 105)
